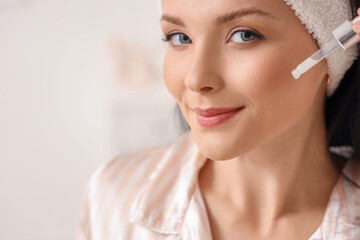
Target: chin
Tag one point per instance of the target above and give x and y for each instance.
(218, 148)
(217, 156)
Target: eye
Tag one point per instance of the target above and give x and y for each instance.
(177, 39)
(244, 36)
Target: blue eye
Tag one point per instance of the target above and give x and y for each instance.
(242, 37)
(177, 39)
(239, 37)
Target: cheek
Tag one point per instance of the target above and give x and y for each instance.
(264, 77)
(276, 99)
(271, 78)
(174, 69)
(259, 73)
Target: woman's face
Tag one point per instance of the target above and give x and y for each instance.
(238, 54)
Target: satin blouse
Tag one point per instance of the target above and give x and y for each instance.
(154, 194)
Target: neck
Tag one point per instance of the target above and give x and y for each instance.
(285, 175)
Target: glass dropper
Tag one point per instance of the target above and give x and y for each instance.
(344, 36)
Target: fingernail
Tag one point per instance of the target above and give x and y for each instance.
(356, 19)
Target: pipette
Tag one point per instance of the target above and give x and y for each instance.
(344, 36)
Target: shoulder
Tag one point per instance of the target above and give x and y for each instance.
(127, 166)
(114, 186)
(132, 167)
(342, 212)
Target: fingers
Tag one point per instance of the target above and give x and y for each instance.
(356, 25)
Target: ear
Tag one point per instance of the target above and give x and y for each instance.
(327, 79)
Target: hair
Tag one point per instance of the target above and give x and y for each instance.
(342, 108)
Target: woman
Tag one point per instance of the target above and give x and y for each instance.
(268, 156)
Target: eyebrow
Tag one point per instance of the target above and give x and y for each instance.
(228, 17)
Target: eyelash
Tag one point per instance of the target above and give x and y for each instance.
(166, 38)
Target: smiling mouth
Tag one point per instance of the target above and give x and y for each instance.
(213, 117)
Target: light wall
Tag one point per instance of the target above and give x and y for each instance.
(80, 82)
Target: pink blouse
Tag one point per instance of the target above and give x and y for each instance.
(154, 194)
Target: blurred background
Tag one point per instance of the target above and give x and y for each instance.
(80, 83)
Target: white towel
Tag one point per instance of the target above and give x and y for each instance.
(320, 18)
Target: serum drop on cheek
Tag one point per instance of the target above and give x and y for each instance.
(344, 36)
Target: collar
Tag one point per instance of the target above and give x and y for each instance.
(342, 216)
(162, 202)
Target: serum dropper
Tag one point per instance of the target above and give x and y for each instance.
(344, 36)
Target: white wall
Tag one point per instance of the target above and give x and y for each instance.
(80, 82)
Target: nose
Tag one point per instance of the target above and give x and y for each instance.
(203, 75)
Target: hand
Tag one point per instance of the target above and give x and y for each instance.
(356, 25)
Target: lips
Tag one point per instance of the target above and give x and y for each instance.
(212, 117)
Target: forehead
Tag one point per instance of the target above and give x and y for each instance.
(209, 9)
